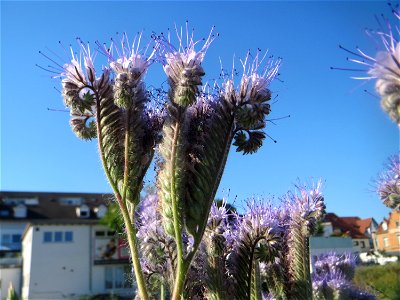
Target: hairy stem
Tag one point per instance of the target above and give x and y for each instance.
(181, 268)
(130, 228)
(222, 163)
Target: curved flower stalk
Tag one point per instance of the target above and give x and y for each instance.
(389, 183)
(385, 66)
(306, 207)
(197, 135)
(217, 245)
(113, 107)
(258, 238)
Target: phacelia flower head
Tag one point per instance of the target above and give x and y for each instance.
(79, 82)
(258, 73)
(333, 262)
(251, 100)
(307, 206)
(129, 63)
(385, 66)
(389, 183)
(183, 65)
(259, 223)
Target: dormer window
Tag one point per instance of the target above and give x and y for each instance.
(100, 211)
(83, 211)
(20, 211)
(384, 226)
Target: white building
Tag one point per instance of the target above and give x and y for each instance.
(83, 259)
(65, 253)
(359, 230)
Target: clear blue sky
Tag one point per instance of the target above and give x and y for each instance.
(336, 131)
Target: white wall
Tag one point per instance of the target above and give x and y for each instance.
(59, 270)
(320, 245)
(26, 262)
(7, 276)
(358, 243)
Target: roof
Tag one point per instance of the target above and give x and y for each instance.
(364, 224)
(50, 207)
(351, 226)
(394, 216)
(380, 227)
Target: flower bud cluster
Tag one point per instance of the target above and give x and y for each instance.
(251, 101)
(333, 276)
(129, 68)
(183, 67)
(385, 66)
(389, 183)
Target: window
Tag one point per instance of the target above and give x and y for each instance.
(362, 244)
(384, 226)
(398, 239)
(397, 223)
(16, 238)
(47, 237)
(385, 242)
(117, 277)
(100, 233)
(6, 239)
(69, 236)
(58, 237)
(355, 243)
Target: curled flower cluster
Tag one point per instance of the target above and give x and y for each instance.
(385, 66)
(389, 183)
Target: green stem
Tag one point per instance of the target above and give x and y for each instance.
(181, 268)
(131, 230)
(133, 246)
(162, 291)
(129, 218)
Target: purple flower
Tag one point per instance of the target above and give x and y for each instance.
(389, 183)
(306, 206)
(183, 65)
(129, 63)
(385, 66)
(258, 73)
(332, 262)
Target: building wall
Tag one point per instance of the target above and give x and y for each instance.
(26, 262)
(361, 245)
(392, 235)
(7, 276)
(320, 245)
(11, 229)
(69, 264)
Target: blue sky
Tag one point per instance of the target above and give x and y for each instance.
(336, 131)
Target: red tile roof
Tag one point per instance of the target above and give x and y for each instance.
(351, 226)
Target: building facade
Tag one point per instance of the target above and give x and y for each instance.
(53, 247)
(361, 231)
(387, 237)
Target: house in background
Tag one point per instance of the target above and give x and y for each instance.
(53, 247)
(387, 237)
(359, 230)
